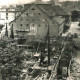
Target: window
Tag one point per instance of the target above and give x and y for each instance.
(20, 19)
(33, 24)
(33, 8)
(39, 25)
(39, 13)
(27, 24)
(45, 19)
(21, 24)
(26, 13)
(32, 19)
(19, 46)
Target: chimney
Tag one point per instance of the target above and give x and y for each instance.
(54, 2)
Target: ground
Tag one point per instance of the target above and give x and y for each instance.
(75, 64)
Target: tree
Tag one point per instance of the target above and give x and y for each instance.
(10, 60)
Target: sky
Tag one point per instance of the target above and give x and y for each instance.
(6, 2)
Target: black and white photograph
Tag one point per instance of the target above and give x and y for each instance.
(39, 39)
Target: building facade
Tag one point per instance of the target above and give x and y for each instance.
(34, 21)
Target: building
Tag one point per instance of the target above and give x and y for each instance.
(33, 22)
(72, 8)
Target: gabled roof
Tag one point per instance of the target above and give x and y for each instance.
(71, 6)
(20, 14)
(41, 2)
(59, 20)
(38, 6)
(59, 11)
(45, 6)
(26, 6)
(56, 19)
(77, 6)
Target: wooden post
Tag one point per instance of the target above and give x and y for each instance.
(48, 47)
(41, 58)
(15, 13)
(12, 33)
(6, 32)
(6, 14)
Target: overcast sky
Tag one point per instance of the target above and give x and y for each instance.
(5, 2)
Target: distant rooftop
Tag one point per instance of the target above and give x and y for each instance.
(40, 2)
